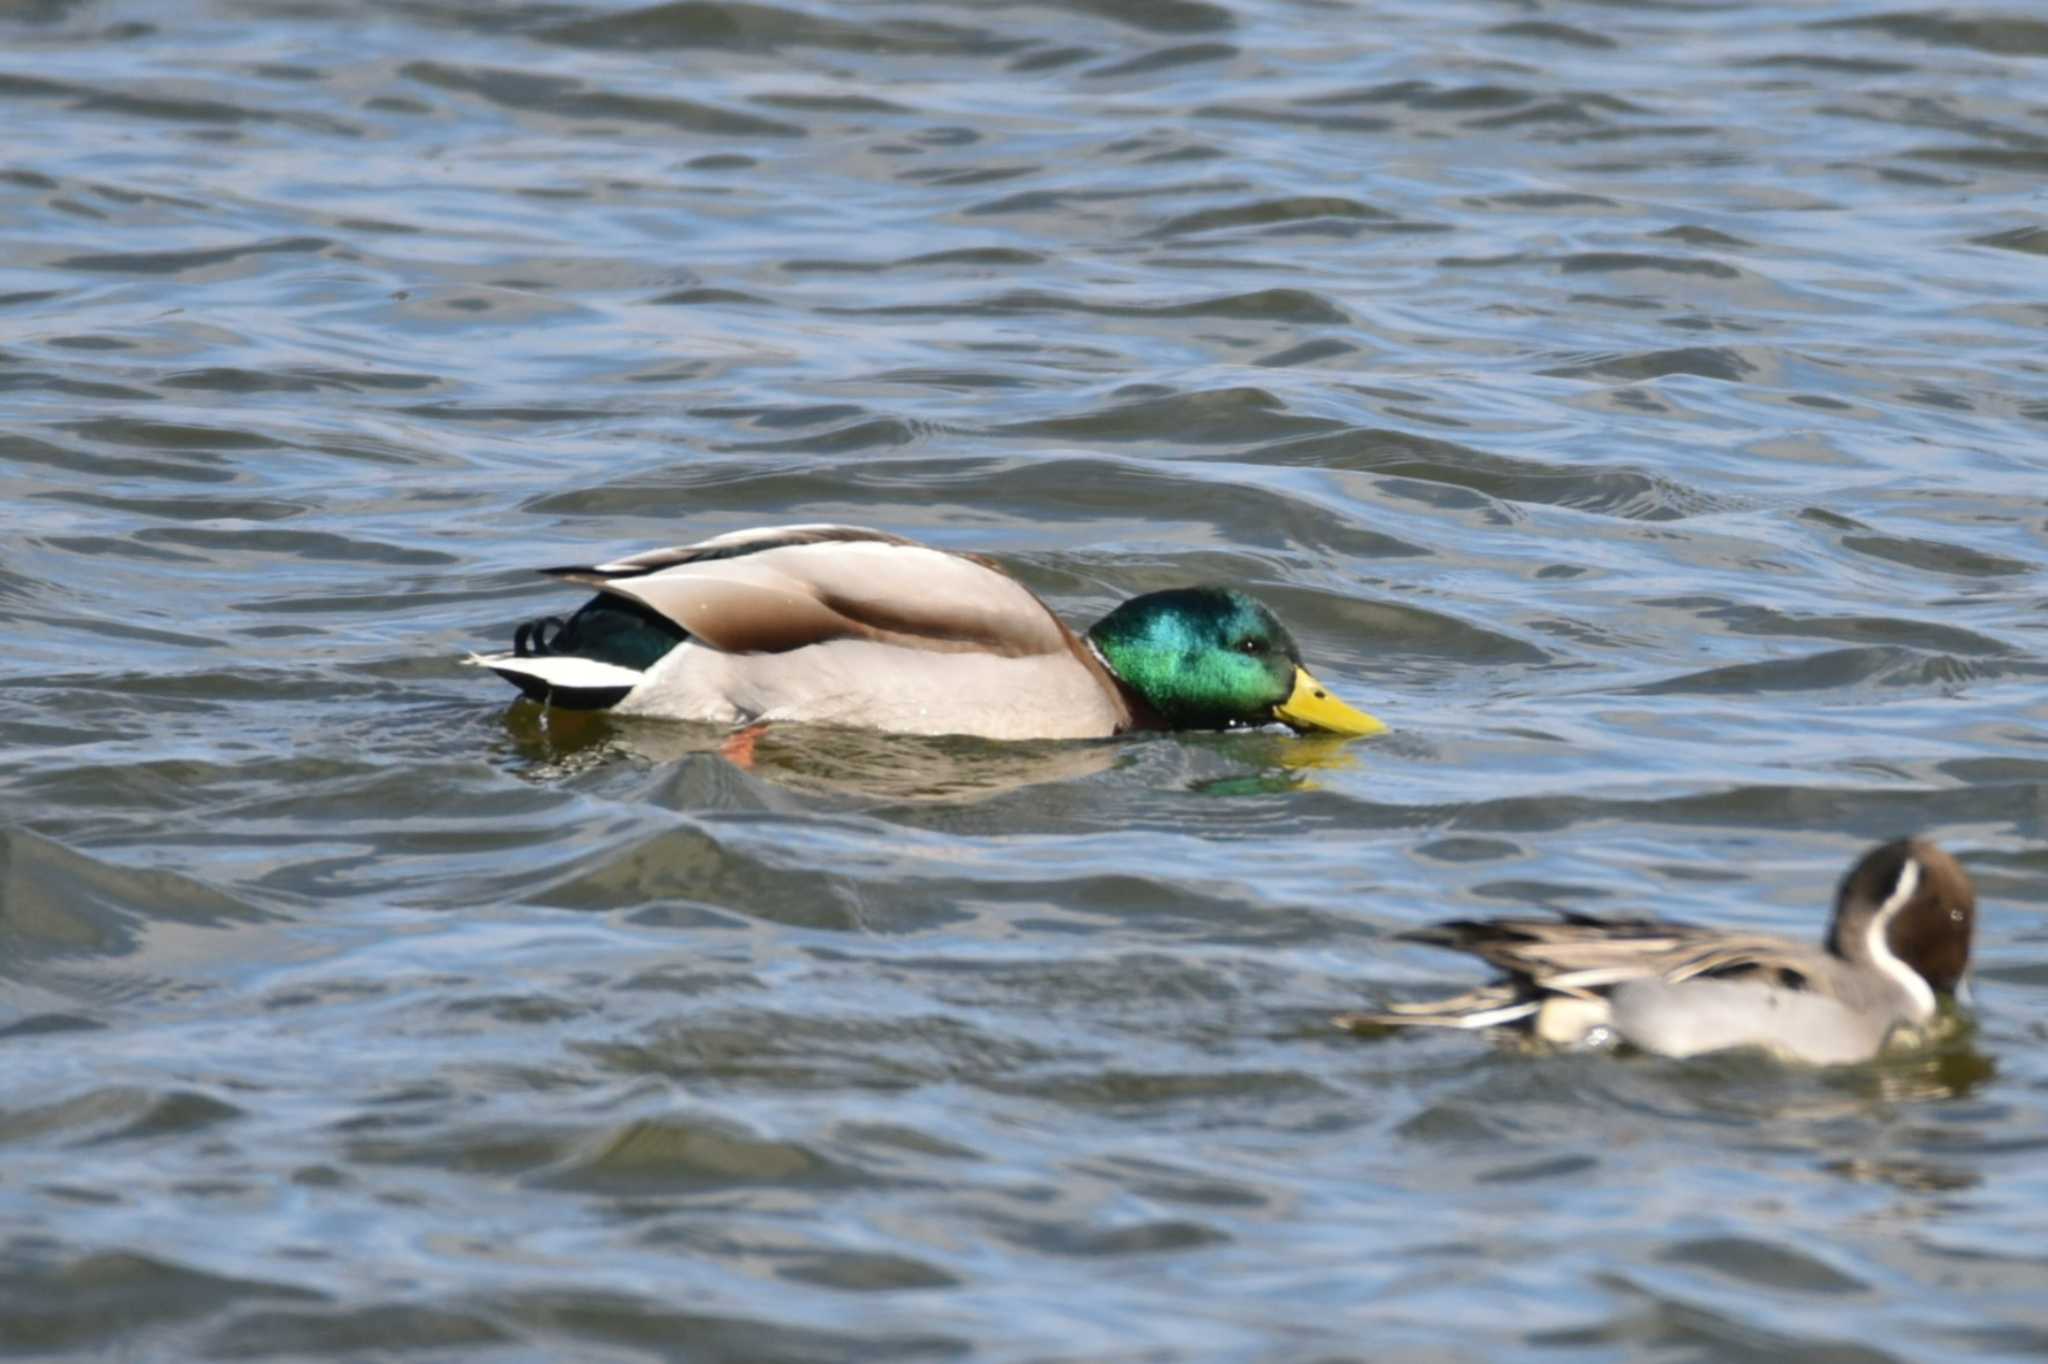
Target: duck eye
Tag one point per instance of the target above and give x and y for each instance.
(1252, 646)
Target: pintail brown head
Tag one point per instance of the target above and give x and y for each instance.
(1907, 904)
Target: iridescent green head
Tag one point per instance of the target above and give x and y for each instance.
(1213, 658)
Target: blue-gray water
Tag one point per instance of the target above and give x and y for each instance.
(1641, 406)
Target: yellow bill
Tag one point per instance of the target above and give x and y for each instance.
(1312, 707)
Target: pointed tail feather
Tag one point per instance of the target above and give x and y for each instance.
(1489, 1006)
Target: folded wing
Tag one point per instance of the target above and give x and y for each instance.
(782, 588)
(1584, 955)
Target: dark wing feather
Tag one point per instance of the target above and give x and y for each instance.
(1585, 955)
(732, 545)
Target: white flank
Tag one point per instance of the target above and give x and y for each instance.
(1566, 1020)
(1881, 955)
(560, 670)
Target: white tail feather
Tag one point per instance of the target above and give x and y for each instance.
(560, 670)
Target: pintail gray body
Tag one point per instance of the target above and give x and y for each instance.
(1899, 943)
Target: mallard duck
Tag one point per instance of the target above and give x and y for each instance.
(1898, 944)
(840, 625)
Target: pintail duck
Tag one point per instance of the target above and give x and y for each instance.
(840, 625)
(1898, 944)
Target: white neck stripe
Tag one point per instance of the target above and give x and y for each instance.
(1881, 955)
(1909, 881)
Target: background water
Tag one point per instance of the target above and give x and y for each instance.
(1641, 406)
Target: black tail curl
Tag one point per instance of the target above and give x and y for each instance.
(607, 628)
(537, 638)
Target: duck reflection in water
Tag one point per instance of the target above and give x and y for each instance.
(827, 760)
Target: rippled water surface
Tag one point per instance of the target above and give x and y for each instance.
(1641, 406)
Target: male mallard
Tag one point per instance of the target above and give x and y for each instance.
(846, 626)
(1899, 941)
